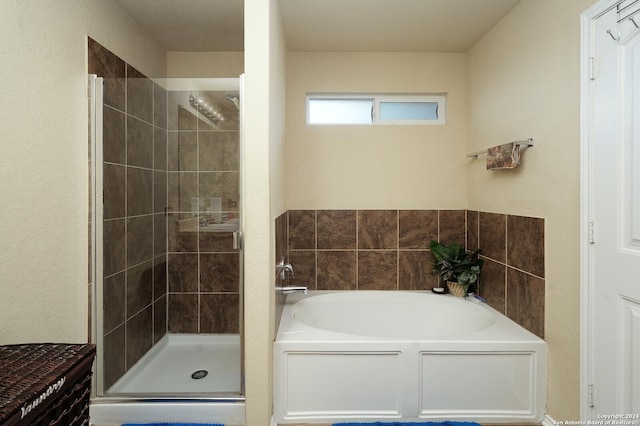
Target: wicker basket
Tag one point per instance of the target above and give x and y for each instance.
(45, 384)
(456, 289)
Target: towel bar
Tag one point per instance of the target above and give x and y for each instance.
(524, 142)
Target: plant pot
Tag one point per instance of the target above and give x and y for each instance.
(456, 289)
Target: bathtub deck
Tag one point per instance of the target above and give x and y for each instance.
(167, 368)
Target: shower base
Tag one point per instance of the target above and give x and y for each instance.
(168, 367)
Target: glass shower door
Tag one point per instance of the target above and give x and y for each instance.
(168, 269)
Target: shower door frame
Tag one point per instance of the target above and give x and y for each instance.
(95, 101)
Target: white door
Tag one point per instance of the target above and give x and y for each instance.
(615, 210)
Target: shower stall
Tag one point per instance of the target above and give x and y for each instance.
(166, 255)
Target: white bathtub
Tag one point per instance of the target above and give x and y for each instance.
(404, 356)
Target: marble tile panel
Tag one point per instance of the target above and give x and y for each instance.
(472, 229)
(159, 107)
(114, 148)
(139, 191)
(452, 227)
(414, 270)
(160, 276)
(377, 229)
(526, 300)
(182, 273)
(179, 117)
(377, 270)
(180, 240)
(113, 190)
(139, 95)
(302, 229)
(114, 93)
(220, 313)
(416, 228)
(492, 236)
(216, 241)
(220, 272)
(139, 143)
(114, 246)
(105, 64)
(160, 145)
(139, 287)
(159, 319)
(525, 244)
(336, 270)
(139, 335)
(336, 229)
(218, 151)
(114, 356)
(160, 182)
(493, 284)
(304, 266)
(182, 187)
(182, 315)
(204, 126)
(113, 301)
(139, 239)
(182, 151)
(281, 237)
(219, 184)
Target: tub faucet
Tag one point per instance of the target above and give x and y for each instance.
(293, 289)
(284, 267)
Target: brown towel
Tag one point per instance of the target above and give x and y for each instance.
(505, 156)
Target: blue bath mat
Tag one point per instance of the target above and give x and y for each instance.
(409, 424)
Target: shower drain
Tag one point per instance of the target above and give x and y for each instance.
(199, 374)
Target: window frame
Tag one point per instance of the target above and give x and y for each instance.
(439, 98)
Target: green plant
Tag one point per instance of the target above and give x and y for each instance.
(454, 263)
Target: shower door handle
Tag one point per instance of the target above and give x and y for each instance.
(237, 240)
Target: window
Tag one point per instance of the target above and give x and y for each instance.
(376, 109)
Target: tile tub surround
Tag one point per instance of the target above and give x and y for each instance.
(513, 279)
(388, 250)
(368, 249)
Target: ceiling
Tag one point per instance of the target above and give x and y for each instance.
(191, 25)
(324, 25)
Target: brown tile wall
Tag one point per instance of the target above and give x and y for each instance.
(513, 276)
(135, 173)
(203, 267)
(368, 249)
(388, 250)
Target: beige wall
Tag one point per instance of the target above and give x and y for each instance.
(360, 167)
(43, 158)
(524, 82)
(263, 195)
(205, 64)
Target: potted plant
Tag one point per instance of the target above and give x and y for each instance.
(456, 266)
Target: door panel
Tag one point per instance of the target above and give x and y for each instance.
(616, 214)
